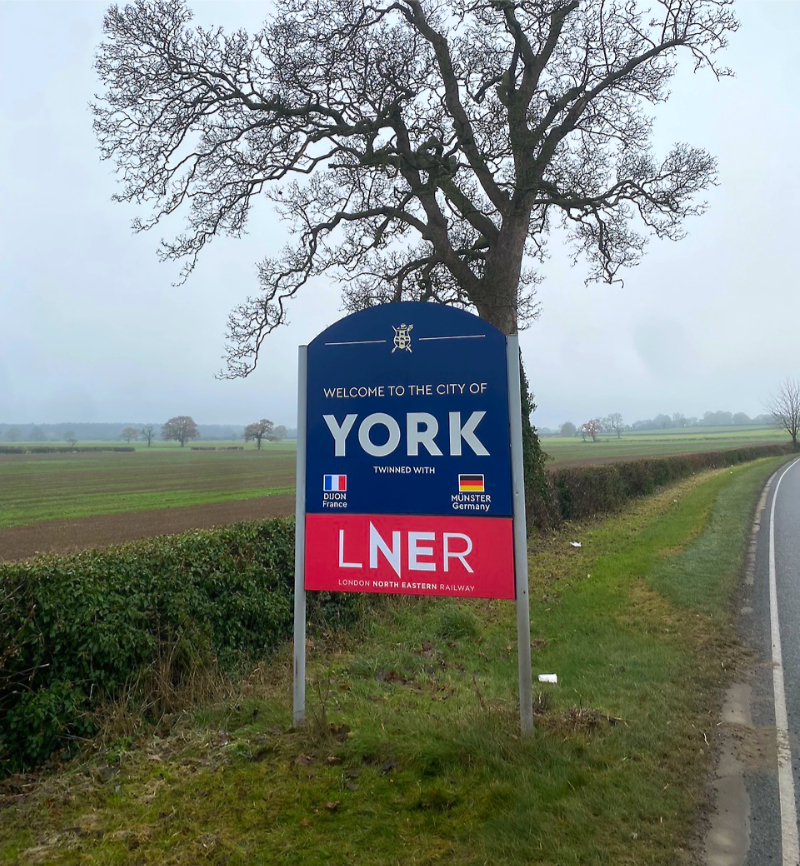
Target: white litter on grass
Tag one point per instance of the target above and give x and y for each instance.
(548, 678)
(574, 544)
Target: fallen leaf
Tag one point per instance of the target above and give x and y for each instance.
(391, 677)
(333, 806)
(340, 731)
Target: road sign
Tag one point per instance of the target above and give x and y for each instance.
(409, 466)
(453, 556)
(407, 415)
(405, 402)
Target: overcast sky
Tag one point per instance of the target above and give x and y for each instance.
(91, 328)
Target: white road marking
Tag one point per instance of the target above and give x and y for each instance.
(789, 841)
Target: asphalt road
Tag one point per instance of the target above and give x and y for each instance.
(770, 623)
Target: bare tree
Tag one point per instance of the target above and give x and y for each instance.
(148, 432)
(182, 428)
(785, 408)
(262, 429)
(614, 422)
(419, 150)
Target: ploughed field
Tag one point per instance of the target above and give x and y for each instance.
(63, 502)
(60, 502)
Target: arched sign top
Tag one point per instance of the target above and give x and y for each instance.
(393, 325)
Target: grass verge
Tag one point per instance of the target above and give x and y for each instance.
(412, 754)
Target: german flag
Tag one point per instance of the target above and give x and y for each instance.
(470, 483)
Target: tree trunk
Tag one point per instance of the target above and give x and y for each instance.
(537, 491)
(499, 307)
(497, 300)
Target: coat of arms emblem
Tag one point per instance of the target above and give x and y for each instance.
(402, 338)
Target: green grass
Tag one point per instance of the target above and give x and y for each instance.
(565, 450)
(412, 753)
(693, 579)
(40, 487)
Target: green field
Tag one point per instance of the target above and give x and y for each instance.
(39, 487)
(654, 443)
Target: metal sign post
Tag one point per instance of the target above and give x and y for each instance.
(520, 537)
(299, 699)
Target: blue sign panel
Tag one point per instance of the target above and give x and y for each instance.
(408, 414)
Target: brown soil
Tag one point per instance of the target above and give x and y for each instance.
(72, 534)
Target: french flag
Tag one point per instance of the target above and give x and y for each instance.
(334, 483)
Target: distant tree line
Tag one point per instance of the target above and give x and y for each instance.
(614, 425)
(709, 419)
(106, 432)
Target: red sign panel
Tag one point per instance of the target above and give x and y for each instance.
(413, 555)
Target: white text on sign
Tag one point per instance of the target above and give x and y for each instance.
(421, 555)
(422, 428)
(440, 390)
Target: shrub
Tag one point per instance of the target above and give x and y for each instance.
(78, 629)
(582, 491)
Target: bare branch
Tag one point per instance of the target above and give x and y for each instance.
(416, 149)
(784, 407)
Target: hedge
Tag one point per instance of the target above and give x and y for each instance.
(78, 629)
(575, 492)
